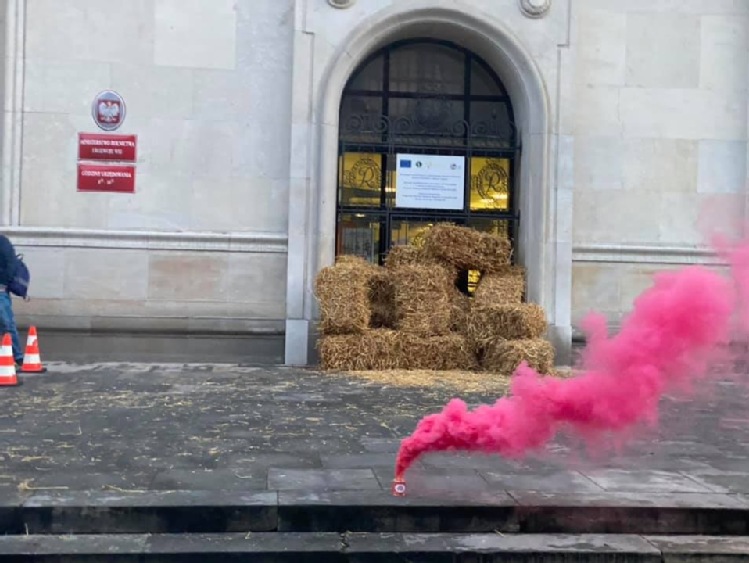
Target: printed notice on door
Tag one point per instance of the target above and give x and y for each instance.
(430, 181)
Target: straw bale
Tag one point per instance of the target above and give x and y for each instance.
(371, 350)
(504, 356)
(404, 255)
(423, 303)
(382, 300)
(506, 287)
(513, 322)
(342, 291)
(497, 253)
(349, 259)
(466, 248)
(510, 271)
(438, 353)
(460, 312)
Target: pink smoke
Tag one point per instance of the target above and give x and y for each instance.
(677, 329)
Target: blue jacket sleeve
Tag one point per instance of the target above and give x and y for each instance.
(7, 260)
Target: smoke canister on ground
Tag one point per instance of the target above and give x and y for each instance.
(399, 487)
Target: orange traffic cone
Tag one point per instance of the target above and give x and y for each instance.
(8, 377)
(32, 361)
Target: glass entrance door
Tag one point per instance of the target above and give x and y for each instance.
(430, 98)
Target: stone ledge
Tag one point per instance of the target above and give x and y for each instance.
(354, 547)
(644, 254)
(174, 547)
(255, 348)
(701, 548)
(224, 510)
(531, 545)
(135, 325)
(274, 243)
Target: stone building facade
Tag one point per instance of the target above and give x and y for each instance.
(630, 137)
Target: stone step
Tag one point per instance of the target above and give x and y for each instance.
(372, 511)
(133, 346)
(370, 548)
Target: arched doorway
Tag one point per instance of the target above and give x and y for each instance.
(426, 134)
(540, 180)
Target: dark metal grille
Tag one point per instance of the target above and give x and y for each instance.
(422, 97)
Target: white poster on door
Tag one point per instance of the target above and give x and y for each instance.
(430, 181)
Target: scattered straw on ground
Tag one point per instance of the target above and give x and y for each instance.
(464, 381)
(460, 381)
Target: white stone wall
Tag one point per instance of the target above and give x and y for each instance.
(659, 120)
(207, 86)
(3, 36)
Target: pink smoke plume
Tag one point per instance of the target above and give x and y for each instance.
(676, 330)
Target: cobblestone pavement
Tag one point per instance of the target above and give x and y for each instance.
(138, 427)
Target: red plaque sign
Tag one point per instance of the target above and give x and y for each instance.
(97, 178)
(100, 146)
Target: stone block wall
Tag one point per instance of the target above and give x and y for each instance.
(201, 244)
(659, 120)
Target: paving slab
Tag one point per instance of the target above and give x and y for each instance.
(383, 460)
(239, 479)
(621, 480)
(437, 482)
(723, 481)
(554, 482)
(315, 480)
(380, 445)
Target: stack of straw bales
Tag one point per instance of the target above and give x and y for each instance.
(409, 314)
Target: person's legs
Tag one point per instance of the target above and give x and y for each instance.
(8, 325)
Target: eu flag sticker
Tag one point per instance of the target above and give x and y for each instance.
(405, 164)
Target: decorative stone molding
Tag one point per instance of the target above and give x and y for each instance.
(15, 25)
(645, 254)
(260, 243)
(341, 4)
(535, 8)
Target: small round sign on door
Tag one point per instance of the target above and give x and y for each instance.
(108, 110)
